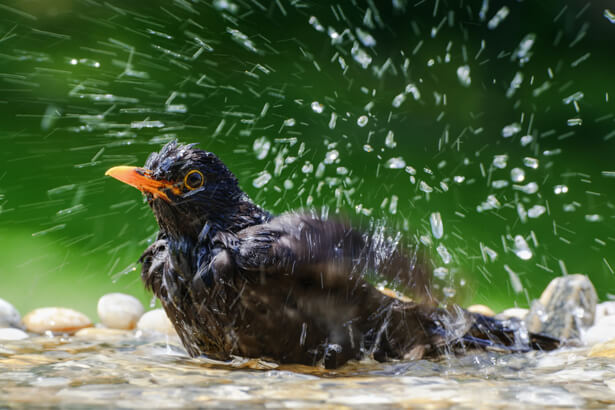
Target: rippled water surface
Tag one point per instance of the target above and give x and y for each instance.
(136, 372)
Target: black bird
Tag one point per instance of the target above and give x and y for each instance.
(238, 281)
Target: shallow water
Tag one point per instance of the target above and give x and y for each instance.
(137, 372)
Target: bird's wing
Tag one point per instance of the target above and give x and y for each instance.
(329, 251)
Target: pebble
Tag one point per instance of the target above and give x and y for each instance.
(156, 321)
(481, 309)
(102, 333)
(54, 319)
(605, 309)
(519, 313)
(602, 331)
(9, 316)
(9, 333)
(566, 306)
(603, 350)
(119, 311)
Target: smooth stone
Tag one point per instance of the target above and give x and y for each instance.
(10, 333)
(481, 310)
(9, 316)
(603, 350)
(566, 306)
(102, 333)
(602, 331)
(119, 311)
(54, 319)
(519, 313)
(156, 321)
(605, 309)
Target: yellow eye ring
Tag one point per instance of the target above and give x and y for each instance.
(194, 179)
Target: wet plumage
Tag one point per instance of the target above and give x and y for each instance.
(238, 281)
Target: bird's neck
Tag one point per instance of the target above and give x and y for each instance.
(201, 231)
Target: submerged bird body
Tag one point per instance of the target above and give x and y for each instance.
(237, 281)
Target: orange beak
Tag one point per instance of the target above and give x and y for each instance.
(142, 179)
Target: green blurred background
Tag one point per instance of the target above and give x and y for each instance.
(298, 98)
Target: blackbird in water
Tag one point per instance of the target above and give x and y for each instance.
(236, 280)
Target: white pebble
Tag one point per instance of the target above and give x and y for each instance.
(9, 316)
(518, 313)
(604, 309)
(9, 333)
(481, 310)
(54, 319)
(102, 333)
(156, 321)
(119, 311)
(602, 331)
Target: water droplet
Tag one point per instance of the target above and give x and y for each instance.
(342, 171)
(499, 183)
(521, 212)
(389, 140)
(610, 16)
(440, 273)
(536, 211)
(307, 168)
(393, 204)
(490, 203)
(424, 186)
(489, 253)
(317, 107)
(362, 121)
(288, 184)
(320, 170)
(333, 120)
(522, 249)
(261, 147)
(578, 96)
(395, 163)
(500, 161)
(525, 46)
(412, 89)
(410, 170)
(331, 156)
(368, 148)
(530, 162)
(517, 175)
(444, 254)
(449, 292)
(459, 179)
(437, 227)
(574, 122)
(526, 139)
(560, 189)
(495, 21)
(514, 280)
(263, 178)
(529, 188)
(593, 218)
(398, 100)
(511, 129)
(463, 74)
(360, 56)
(316, 24)
(289, 122)
(365, 38)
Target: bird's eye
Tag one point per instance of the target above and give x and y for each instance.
(194, 179)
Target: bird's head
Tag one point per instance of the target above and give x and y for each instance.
(185, 187)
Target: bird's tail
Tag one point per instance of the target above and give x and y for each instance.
(509, 335)
(459, 330)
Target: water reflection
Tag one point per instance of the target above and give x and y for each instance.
(145, 372)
